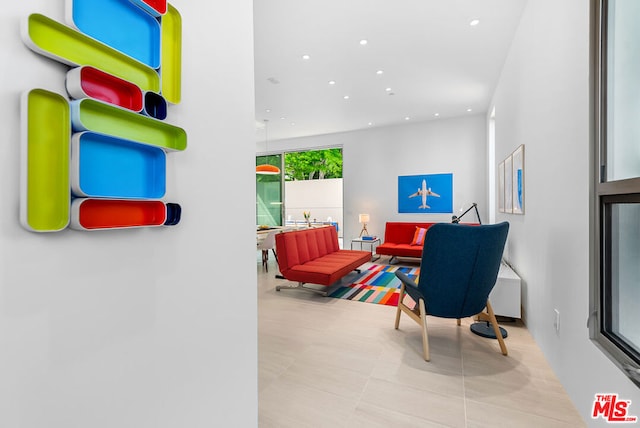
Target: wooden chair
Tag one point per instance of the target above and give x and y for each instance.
(459, 268)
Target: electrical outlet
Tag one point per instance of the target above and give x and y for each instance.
(556, 320)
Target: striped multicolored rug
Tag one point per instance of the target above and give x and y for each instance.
(378, 285)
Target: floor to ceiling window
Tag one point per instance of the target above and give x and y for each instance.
(306, 181)
(313, 184)
(615, 321)
(269, 190)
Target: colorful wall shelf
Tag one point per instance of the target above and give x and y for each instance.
(172, 55)
(44, 203)
(154, 7)
(98, 162)
(109, 214)
(120, 24)
(97, 116)
(90, 82)
(61, 43)
(109, 167)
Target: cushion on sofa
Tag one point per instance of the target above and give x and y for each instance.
(399, 250)
(418, 237)
(401, 232)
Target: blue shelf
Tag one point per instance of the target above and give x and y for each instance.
(121, 25)
(103, 166)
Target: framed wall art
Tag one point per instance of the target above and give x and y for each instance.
(518, 180)
(427, 194)
(511, 183)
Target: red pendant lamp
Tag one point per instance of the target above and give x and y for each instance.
(267, 169)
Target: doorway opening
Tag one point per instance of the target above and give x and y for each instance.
(308, 191)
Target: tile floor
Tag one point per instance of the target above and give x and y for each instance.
(326, 362)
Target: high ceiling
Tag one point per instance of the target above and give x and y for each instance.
(434, 64)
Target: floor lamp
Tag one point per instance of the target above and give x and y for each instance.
(483, 329)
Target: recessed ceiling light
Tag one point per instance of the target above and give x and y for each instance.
(282, 118)
(346, 97)
(332, 82)
(469, 109)
(437, 114)
(293, 123)
(474, 22)
(363, 42)
(305, 56)
(268, 110)
(407, 118)
(379, 72)
(388, 89)
(370, 123)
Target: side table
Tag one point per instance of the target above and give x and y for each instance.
(373, 243)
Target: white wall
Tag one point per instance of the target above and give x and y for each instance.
(542, 101)
(321, 198)
(134, 328)
(374, 158)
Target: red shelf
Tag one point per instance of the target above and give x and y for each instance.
(116, 213)
(91, 82)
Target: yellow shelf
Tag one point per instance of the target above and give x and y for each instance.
(171, 68)
(47, 37)
(93, 115)
(45, 194)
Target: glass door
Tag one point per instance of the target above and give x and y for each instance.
(269, 191)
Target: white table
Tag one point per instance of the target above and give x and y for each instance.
(373, 243)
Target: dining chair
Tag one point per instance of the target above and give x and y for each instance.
(268, 243)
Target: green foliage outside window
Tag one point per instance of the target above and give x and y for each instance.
(313, 165)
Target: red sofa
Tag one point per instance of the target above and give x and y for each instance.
(398, 237)
(314, 256)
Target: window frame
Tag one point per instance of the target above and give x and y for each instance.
(602, 191)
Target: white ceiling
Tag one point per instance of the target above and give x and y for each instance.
(433, 61)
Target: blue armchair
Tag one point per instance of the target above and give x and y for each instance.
(458, 271)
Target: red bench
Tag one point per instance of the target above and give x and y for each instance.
(314, 256)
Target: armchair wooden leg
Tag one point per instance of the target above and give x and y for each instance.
(458, 321)
(496, 328)
(419, 315)
(425, 335)
(399, 310)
